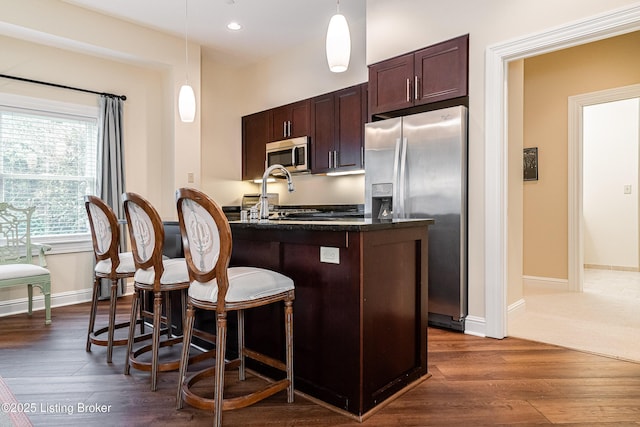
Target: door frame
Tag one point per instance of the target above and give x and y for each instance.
(612, 23)
(575, 223)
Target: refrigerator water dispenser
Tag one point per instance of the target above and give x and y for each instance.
(382, 201)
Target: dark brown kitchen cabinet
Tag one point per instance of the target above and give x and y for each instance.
(256, 132)
(337, 129)
(435, 73)
(290, 121)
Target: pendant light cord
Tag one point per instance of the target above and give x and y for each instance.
(186, 44)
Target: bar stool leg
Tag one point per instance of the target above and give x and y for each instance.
(112, 318)
(132, 328)
(30, 298)
(288, 316)
(183, 301)
(241, 370)
(92, 315)
(221, 339)
(187, 330)
(157, 313)
(167, 309)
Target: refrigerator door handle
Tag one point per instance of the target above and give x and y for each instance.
(403, 178)
(395, 207)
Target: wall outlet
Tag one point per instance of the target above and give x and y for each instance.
(190, 178)
(329, 255)
(627, 189)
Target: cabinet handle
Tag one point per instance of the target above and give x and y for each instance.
(415, 88)
(284, 129)
(408, 90)
(361, 155)
(289, 128)
(335, 159)
(329, 159)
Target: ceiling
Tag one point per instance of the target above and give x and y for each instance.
(269, 26)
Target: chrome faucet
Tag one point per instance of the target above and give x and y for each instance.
(264, 201)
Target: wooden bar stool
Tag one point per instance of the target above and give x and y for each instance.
(111, 264)
(156, 274)
(206, 237)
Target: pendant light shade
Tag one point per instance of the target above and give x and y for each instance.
(186, 97)
(187, 103)
(338, 43)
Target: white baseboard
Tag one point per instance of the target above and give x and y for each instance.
(516, 307)
(545, 283)
(474, 325)
(515, 310)
(21, 305)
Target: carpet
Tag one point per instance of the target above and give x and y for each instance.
(12, 412)
(602, 320)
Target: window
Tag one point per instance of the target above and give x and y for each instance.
(48, 160)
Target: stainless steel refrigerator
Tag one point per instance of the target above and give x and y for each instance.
(416, 167)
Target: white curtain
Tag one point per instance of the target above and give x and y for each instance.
(110, 183)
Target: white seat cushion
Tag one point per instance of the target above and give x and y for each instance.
(175, 271)
(15, 271)
(245, 284)
(126, 264)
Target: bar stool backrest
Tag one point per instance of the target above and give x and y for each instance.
(206, 239)
(146, 233)
(105, 232)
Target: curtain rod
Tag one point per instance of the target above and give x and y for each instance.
(22, 79)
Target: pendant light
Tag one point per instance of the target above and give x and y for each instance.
(338, 42)
(186, 97)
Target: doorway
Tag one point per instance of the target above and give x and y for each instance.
(577, 104)
(495, 216)
(599, 317)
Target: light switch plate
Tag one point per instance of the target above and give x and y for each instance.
(329, 255)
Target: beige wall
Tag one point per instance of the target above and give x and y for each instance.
(296, 74)
(405, 25)
(143, 138)
(55, 42)
(549, 80)
(111, 55)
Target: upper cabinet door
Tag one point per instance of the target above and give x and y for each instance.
(441, 71)
(323, 134)
(390, 84)
(337, 136)
(255, 135)
(290, 121)
(350, 119)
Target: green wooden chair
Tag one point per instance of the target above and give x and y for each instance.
(16, 263)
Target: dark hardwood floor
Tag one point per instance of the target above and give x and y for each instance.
(476, 381)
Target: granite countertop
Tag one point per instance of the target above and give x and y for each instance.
(360, 224)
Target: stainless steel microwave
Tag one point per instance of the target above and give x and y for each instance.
(292, 153)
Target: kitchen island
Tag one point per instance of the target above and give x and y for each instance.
(360, 313)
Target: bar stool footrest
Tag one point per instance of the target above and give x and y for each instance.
(237, 402)
(93, 336)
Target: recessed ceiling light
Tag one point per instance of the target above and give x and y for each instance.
(234, 26)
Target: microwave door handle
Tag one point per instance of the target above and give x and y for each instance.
(293, 157)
